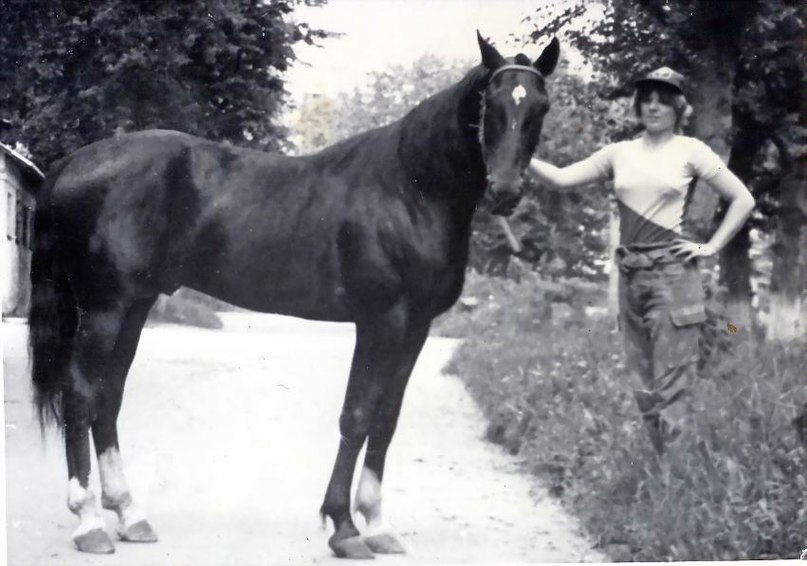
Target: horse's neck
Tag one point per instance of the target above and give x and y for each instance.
(439, 144)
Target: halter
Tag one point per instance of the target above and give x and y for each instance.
(514, 67)
(493, 75)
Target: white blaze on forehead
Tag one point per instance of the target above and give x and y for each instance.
(519, 93)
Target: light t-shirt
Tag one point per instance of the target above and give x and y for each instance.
(652, 185)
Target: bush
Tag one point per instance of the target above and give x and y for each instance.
(190, 307)
(554, 391)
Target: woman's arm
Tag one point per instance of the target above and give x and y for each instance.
(741, 204)
(568, 177)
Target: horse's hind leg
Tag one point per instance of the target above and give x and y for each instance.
(379, 535)
(132, 525)
(377, 342)
(92, 346)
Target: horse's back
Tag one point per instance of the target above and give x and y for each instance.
(312, 236)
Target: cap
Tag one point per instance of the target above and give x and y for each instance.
(663, 75)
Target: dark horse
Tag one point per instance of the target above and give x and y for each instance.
(373, 230)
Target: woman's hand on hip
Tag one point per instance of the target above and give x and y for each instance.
(687, 250)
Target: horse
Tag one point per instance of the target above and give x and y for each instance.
(373, 230)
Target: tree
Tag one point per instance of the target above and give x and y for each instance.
(387, 95)
(86, 70)
(769, 87)
(313, 126)
(394, 91)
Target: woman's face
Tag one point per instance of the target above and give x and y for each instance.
(658, 114)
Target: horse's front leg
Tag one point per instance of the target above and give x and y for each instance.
(379, 535)
(378, 340)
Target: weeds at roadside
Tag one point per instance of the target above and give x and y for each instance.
(552, 384)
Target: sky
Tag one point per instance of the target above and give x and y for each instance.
(379, 33)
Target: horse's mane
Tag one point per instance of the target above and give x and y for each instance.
(435, 106)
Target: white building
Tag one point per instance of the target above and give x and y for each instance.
(19, 179)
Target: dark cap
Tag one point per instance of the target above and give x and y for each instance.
(664, 75)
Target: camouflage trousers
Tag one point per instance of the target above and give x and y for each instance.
(661, 303)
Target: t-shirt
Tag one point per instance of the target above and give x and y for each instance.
(652, 185)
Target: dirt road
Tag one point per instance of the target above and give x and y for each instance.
(228, 438)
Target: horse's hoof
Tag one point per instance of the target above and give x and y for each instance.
(384, 543)
(140, 531)
(95, 541)
(351, 547)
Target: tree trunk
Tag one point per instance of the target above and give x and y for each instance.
(735, 277)
(735, 261)
(787, 283)
(613, 273)
(711, 99)
(803, 270)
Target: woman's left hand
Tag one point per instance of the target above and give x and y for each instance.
(687, 250)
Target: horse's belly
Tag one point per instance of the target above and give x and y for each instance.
(283, 282)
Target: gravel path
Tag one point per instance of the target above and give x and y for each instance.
(228, 438)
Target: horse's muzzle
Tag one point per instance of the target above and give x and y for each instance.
(504, 199)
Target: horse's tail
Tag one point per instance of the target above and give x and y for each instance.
(52, 316)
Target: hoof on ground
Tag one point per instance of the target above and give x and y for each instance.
(140, 531)
(95, 541)
(384, 543)
(351, 547)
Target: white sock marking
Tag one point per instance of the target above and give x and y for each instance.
(368, 502)
(113, 482)
(115, 490)
(82, 502)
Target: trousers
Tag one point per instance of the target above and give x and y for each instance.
(661, 303)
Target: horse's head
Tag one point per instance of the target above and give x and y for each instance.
(513, 107)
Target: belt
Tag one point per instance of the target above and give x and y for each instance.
(644, 256)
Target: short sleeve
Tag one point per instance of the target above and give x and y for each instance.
(603, 161)
(704, 161)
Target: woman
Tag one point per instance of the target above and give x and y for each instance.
(660, 290)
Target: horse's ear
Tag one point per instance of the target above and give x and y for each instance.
(549, 58)
(490, 57)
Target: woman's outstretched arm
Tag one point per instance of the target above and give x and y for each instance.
(574, 175)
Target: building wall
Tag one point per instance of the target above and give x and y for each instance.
(16, 224)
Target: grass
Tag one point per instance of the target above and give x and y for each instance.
(552, 384)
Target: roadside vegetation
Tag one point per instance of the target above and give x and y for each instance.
(189, 307)
(551, 381)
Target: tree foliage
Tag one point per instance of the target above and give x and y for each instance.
(72, 72)
(386, 96)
